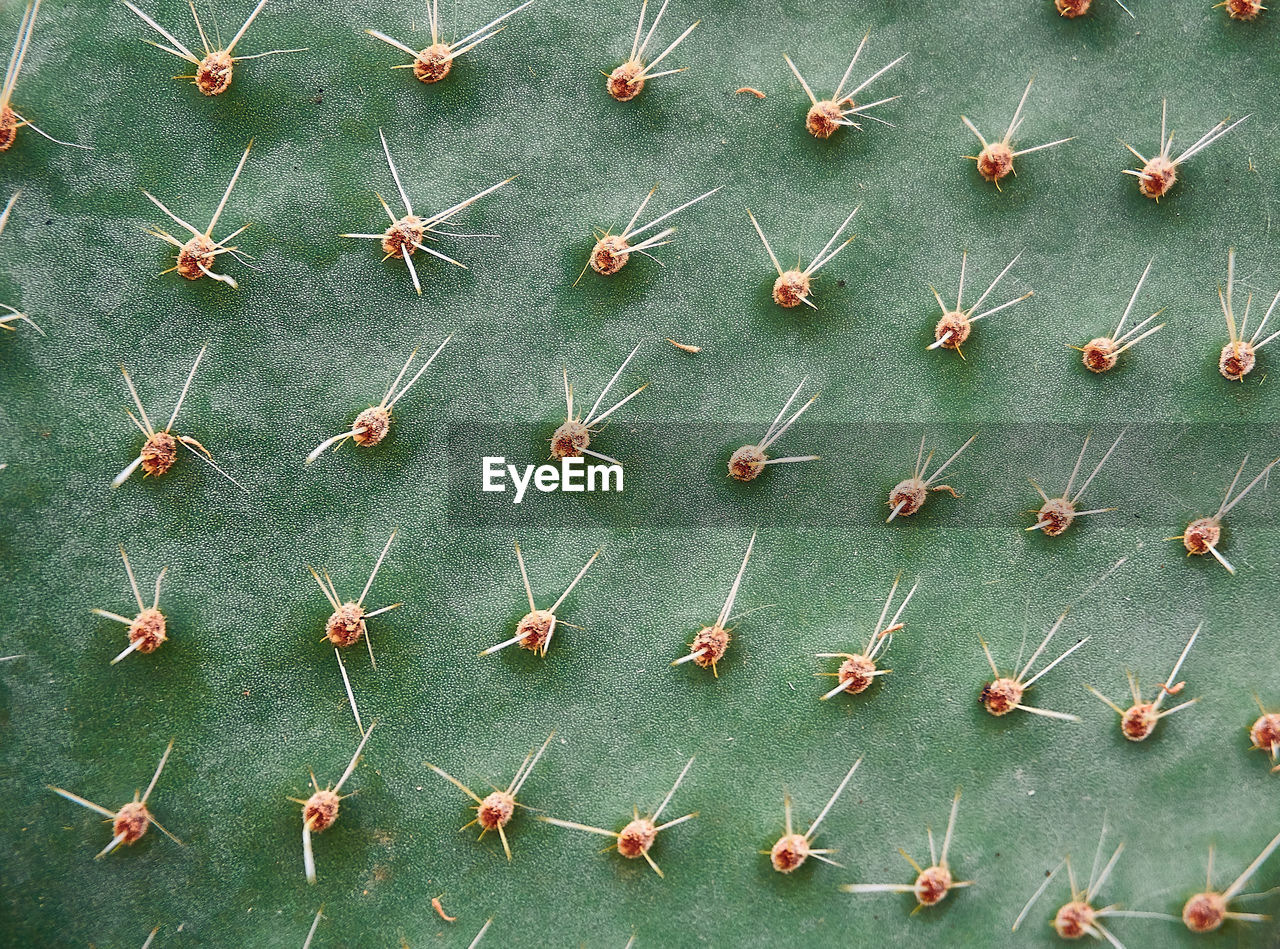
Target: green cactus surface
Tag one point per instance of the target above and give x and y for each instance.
(250, 692)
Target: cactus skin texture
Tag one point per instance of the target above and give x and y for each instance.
(251, 695)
